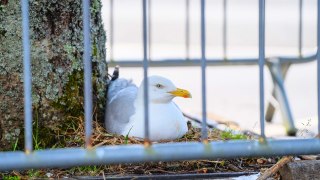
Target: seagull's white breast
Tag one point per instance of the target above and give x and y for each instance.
(166, 121)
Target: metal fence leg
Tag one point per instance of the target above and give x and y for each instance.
(277, 74)
(270, 108)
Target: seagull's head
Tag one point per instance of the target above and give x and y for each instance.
(162, 90)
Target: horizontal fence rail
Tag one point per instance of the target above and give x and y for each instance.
(157, 152)
(210, 62)
(68, 157)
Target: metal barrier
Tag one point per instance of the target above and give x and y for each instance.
(158, 152)
(278, 66)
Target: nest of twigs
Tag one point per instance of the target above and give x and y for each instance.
(72, 135)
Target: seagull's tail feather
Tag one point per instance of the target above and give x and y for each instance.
(115, 74)
(118, 85)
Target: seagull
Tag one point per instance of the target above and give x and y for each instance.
(125, 109)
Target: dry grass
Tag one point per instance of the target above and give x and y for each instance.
(72, 135)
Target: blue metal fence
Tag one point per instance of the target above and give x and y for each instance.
(165, 152)
(278, 76)
(203, 72)
(261, 62)
(87, 72)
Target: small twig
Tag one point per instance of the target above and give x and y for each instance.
(210, 161)
(161, 171)
(101, 143)
(104, 177)
(275, 168)
(96, 138)
(308, 157)
(17, 173)
(233, 168)
(260, 165)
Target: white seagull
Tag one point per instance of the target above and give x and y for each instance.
(125, 109)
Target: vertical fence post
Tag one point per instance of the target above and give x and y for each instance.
(261, 62)
(203, 72)
(224, 29)
(149, 30)
(111, 30)
(187, 30)
(87, 72)
(145, 70)
(27, 77)
(300, 26)
(318, 64)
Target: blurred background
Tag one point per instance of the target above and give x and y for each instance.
(232, 91)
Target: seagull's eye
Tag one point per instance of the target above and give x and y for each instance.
(159, 86)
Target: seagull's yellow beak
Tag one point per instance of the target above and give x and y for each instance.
(181, 93)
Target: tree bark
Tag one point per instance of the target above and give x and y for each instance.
(56, 38)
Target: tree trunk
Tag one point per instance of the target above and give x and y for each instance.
(56, 51)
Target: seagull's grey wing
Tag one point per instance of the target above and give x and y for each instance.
(120, 105)
(117, 85)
